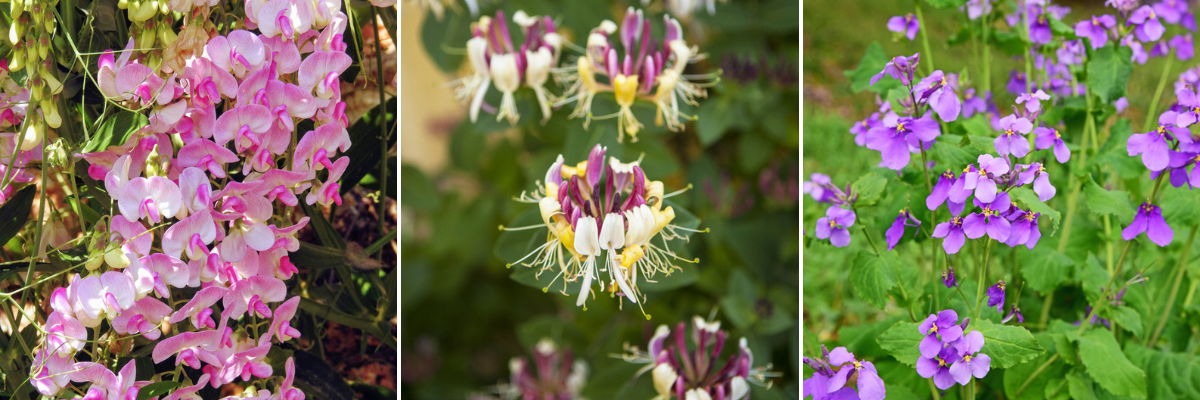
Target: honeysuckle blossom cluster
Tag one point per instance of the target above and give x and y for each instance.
(603, 217)
(950, 355)
(828, 383)
(494, 59)
(692, 373)
(646, 68)
(201, 193)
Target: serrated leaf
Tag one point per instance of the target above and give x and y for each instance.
(1108, 366)
(949, 156)
(1061, 28)
(978, 126)
(1045, 269)
(1126, 317)
(1168, 375)
(1108, 72)
(872, 62)
(1080, 387)
(1107, 202)
(869, 188)
(861, 338)
(1094, 278)
(902, 341)
(1113, 152)
(1065, 348)
(1007, 345)
(1180, 206)
(872, 276)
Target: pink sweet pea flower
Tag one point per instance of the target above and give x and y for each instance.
(286, 391)
(243, 125)
(190, 236)
(154, 198)
(50, 372)
(132, 234)
(253, 294)
(278, 184)
(188, 346)
(327, 192)
(285, 18)
(206, 155)
(199, 308)
(97, 297)
(143, 318)
(313, 151)
(196, 189)
(320, 71)
(122, 386)
(281, 327)
(65, 335)
(238, 52)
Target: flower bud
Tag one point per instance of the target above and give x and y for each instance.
(32, 136)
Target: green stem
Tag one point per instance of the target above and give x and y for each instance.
(983, 270)
(1036, 372)
(37, 238)
(1183, 260)
(1162, 84)
(924, 37)
(987, 55)
(1108, 248)
(934, 390)
(871, 241)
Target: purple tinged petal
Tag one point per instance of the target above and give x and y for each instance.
(985, 190)
(1135, 228)
(961, 372)
(954, 241)
(840, 356)
(1157, 230)
(947, 318)
(951, 333)
(947, 105)
(1061, 152)
(1044, 138)
(1043, 188)
(838, 380)
(980, 365)
(870, 386)
(973, 342)
(942, 379)
(895, 232)
(998, 228)
(974, 226)
(1003, 144)
(939, 193)
(926, 366)
(839, 238)
(823, 229)
(930, 346)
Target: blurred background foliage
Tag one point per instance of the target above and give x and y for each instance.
(464, 317)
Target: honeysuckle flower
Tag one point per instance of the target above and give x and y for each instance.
(904, 25)
(896, 231)
(938, 89)
(1024, 229)
(1153, 146)
(1096, 29)
(678, 370)
(948, 278)
(988, 220)
(1047, 138)
(972, 363)
(835, 226)
(1012, 139)
(893, 139)
(900, 68)
(555, 373)
(981, 180)
(938, 367)
(995, 295)
(952, 233)
(1147, 27)
(1149, 219)
(939, 330)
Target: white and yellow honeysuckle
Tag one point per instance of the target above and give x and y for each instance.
(495, 60)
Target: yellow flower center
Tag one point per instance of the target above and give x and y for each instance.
(625, 88)
(1029, 217)
(899, 127)
(1057, 135)
(967, 358)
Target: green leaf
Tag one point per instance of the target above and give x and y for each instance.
(1027, 199)
(1009, 42)
(979, 126)
(1107, 365)
(717, 116)
(417, 190)
(88, 213)
(115, 130)
(157, 389)
(903, 342)
(869, 189)
(1107, 202)
(1007, 345)
(1113, 153)
(452, 30)
(1180, 206)
(1168, 375)
(1126, 317)
(1066, 349)
(1094, 278)
(365, 151)
(982, 144)
(872, 62)
(1044, 269)
(872, 276)
(15, 212)
(1061, 28)
(949, 157)
(862, 337)
(1080, 387)
(325, 231)
(945, 4)
(1108, 72)
(318, 380)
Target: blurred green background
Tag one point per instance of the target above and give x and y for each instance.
(463, 317)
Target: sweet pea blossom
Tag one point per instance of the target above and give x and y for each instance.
(1047, 138)
(906, 25)
(835, 226)
(1096, 29)
(1149, 219)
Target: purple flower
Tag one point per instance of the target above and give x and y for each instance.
(948, 278)
(1149, 219)
(1121, 104)
(893, 139)
(860, 128)
(1147, 26)
(1036, 174)
(1190, 101)
(977, 8)
(971, 363)
(1039, 26)
(974, 104)
(995, 296)
(906, 25)
(827, 384)
(1180, 175)
(1096, 29)
(940, 95)
(896, 232)
(1046, 138)
(1139, 53)
(1016, 82)
(1123, 6)
(1033, 102)
(952, 231)
(1071, 53)
(988, 220)
(817, 188)
(1184, 47)
(901, 68)
(939, 329)
(938, 367)
(1014, 312)
(1153, 145)
(1024, 229)
(1171, 11)
(981, 182)
(940, 191)
(833, 226)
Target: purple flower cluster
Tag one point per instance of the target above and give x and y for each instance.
(997, 217)
(838, 218)
(828, 383)
(1145, 26)
(948, 355)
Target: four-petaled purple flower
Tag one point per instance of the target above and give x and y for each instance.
(939, 91)
(1071, 52)
(893, 139)
(988, 220)
(1153, 146)
(1024, 229)
(1014, 312)
(938, 367)
(833, 226)
(1189, 100)
(1147, 26)
(995, 296)
(1036, 174)
(948, 278)
(940, 191)
(973, 104)
(1012, 139)
(1185, 49)
(1039, 25)
(817, 187)
(901, 68)
(1046, 138)
(906, 25)
(896, 232)
(1172, 11)
(971, 363)
(1096, 29)
(827, 384)
(978, 8)
(939, 330)
(1149, 219)
(980, 181)
(1180, 175)
(952, 231)
(1033, 102)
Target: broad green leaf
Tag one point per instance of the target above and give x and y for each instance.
(1007, 345)
(902, 341)
(1080, 387)
(115, 130)
(365, 151)
(451, 31)
(1113, 153)
(325, 231)
(1027, 199)
(1107, 202)
(1094, 278)
(872, 62)
(1108, 72)
(717, 116)
(157, 389)
(872, 276)
(1015, 376)
(417, 190)
(1066, 348)
(869, 189)
(949, 157)
(1180, 206)
(1008, 42)
(1061, 28)
(978, 126)
(1127, 318)
(15, 212)
(1106, 364)
(945, 4)
(1168, 375)
(982, 144)
(1044, 269)
(862, 337)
